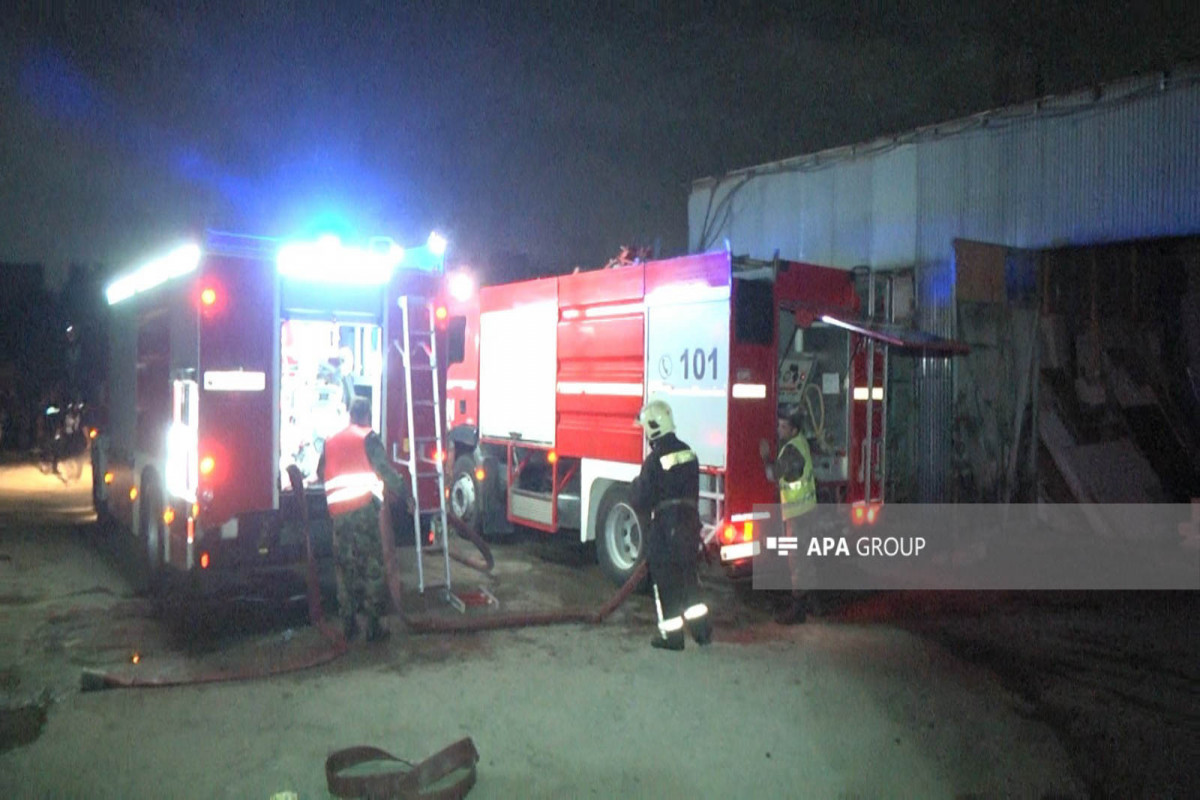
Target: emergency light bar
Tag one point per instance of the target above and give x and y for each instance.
(327, 260)
(178, 262)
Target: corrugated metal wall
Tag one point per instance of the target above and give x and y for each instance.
(1118, 164)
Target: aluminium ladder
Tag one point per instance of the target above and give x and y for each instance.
(419, 354)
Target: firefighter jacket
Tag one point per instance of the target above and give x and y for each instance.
(794, 474)
(350, 479)
(668, 488)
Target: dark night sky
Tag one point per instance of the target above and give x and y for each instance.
(555, 130)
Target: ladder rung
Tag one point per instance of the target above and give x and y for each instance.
(434, 510)
(424, 403)
(424, 438)
(421, 474)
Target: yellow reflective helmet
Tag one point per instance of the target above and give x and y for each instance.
(656, 418)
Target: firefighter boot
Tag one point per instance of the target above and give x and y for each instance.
(671, 635)
(670, 641)
(696, 619)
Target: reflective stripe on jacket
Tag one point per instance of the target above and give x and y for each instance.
(799, 496)
(349, 479)
(675, 459)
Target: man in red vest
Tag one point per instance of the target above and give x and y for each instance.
(355, 471)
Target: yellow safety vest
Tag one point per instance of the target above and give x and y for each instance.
(798, 497)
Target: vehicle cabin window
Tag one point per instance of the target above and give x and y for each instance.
(753, 312)
(456, 331)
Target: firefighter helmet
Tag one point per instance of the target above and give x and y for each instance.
(656, 418)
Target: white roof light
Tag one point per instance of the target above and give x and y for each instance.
(327, 260)
(178, 262)
(437, 244)
(461, 286)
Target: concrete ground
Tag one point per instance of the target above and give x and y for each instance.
(851, 705)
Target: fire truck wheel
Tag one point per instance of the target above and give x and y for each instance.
(464, 494)
(151, 530)
(620, 540)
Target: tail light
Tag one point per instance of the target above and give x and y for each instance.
(207, 465)
(863, 512)
(204, 560)
(480, 473)
(731, 534)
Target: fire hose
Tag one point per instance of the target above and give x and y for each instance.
(448, 774)
(522, 619)
(94, 679)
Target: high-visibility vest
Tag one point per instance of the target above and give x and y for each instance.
(799, 496)
(349, 478)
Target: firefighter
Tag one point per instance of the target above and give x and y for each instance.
(668, 490)
(793, 472)
(355, 470)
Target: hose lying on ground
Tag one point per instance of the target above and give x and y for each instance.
(522, 619)
(98, 679)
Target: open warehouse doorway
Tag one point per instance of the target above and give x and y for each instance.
(1083, 384)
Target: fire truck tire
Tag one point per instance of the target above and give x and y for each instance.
(620, 534)
(465, 500)
(151, 532)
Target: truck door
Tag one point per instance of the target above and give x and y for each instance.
(238, 377)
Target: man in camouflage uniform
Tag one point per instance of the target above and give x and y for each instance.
(355, 471)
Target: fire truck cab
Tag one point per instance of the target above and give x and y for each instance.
(231, 360)
(547, 376)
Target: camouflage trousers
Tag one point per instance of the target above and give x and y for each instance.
(361, 583)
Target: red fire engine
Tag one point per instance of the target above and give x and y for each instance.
(233, 359)
(546, 377)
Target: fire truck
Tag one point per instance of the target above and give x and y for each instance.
(546, 377)
(233, 358)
